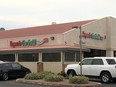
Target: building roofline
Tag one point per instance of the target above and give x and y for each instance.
(41, 30)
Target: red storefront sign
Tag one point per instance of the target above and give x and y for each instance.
(32, 42)
(93, 36)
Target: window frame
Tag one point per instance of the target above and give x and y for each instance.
(22, 58)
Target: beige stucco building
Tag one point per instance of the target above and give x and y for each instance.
(50, 47)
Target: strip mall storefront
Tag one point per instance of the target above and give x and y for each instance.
(40, 58)
(51, 47)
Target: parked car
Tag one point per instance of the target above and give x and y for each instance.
(103, 68)
(10, 69)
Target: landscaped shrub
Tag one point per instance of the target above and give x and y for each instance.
(32, 76)
(53, 78)
(62, 73)
(79, 80)
(42, 75)
(47, 75)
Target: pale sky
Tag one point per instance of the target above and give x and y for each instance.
(16, 14)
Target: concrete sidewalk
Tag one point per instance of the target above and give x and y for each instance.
(64, 83)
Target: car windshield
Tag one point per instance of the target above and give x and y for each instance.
(111, 61)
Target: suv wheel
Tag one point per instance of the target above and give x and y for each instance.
(71, 73)
(105, 77)
(5, 76)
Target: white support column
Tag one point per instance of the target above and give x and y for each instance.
(16, 57)
(75, 56)
(40, 57)
(109, 53)
(40, 66)
(62, 59)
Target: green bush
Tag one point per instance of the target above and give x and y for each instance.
(62, 73)
(47, 75)
(32, 76)
(42, 75)
(53, 78)
(79, 80)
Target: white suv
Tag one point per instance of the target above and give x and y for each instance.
(101, 67)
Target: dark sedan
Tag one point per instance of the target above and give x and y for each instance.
(11, 70)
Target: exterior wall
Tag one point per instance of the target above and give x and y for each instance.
(112, 22)
(109, 53)
(58, 40)
(97, 27)
(31, 65)
(55, 67)
(4, 43)
(105, 27)
(72, 37)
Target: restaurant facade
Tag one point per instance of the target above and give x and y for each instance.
(51, 47)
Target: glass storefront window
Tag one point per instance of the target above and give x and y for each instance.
(69, 56)
(28, 57)
(72, 56)
(95, 53)
(78, 57)
(51, 57)
(7, 57)
(114, 53)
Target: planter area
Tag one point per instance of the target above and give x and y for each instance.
(57, 80)
(64, 83)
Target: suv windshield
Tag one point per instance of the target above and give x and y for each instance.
(111, 61)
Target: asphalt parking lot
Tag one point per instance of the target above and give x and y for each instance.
(12, 83)
(109, 85)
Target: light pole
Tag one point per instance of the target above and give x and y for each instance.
(80, 42)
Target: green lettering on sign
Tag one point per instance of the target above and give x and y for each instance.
(33, 42)
(24, 43)
(29, 42)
